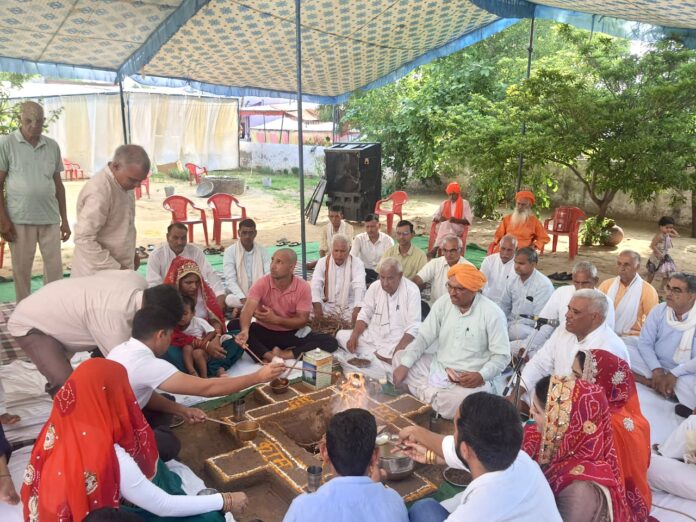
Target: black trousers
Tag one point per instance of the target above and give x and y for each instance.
(168, 445)
(262, 340)
(370, 276)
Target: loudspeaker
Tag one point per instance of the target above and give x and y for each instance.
(354, 178)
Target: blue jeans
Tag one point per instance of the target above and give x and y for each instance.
(427, 510)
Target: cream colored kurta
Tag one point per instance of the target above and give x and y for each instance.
(105, 228)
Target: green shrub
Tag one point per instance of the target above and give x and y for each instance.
(595, 231)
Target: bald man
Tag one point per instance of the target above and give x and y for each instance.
(105, 229)
(32, 210)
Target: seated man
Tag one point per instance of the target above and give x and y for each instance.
(281, 303)
(411, 257)
(388, 321)
(338, 282)
(81, 314)
(177, 246)
(632, 297)
(370, 245)
(487, 441)
(526, 293)
(585, 328)
(454, 216)
(672, 468)
(499, 268)
(151, 337)
(336, 225)
(555, 309)
(665, 356)
(243, 264)
(434, 273)
(473, 346)
(355, 493)
(522, 224)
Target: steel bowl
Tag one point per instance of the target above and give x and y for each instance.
(397, 467)
(279, 385)
(247, 430)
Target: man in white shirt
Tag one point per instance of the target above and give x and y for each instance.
(507, 485)
(585, 329)
(243, 264)
(83, 313)
(499, 268)
(434, 273)
(526, 293)
(555, 309)
(370, 245)
(336, 225)
(472, 349)
(151, 338)
(388, 321)
(177, 246)
(338, 282)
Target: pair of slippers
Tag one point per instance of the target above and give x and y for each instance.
(284, 242)
(213, 251)
(561, 276)
(142, 252)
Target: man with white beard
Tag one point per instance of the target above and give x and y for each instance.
(522, 224)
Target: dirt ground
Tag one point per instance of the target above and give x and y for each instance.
(278, 218)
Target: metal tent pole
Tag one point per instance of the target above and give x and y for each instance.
(300, 150)
(530, 50)
(123, 112)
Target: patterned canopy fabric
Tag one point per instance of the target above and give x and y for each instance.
(237, 47)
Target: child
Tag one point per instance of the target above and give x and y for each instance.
(192, 335)
(660, 261)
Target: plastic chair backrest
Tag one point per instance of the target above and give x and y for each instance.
(222, 205)
(399, 198)
(178, 205)
(564, 218)
(193, 169)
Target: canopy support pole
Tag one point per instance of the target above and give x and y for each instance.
(530, 50)
(300, 149)
(123, 112)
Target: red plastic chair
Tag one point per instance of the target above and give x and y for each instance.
(178, 206)
(72, 170)
(139, 190)
(566, 222)
(195, 172)
(433, 236)
(222, 212)
(397, 200)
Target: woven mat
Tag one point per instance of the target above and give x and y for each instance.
(9, 349)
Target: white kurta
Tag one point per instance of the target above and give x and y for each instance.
(674, 470)
(161, 259)
(388, 319)
(370, 253)
(327, 234)
(497, 273)
(524, 297)
(434, 273)
(354, 293)
(105, 228)
(229, 267)
(557, 355)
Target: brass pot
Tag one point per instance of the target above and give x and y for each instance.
(246, 430)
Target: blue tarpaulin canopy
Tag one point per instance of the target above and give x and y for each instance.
(248, 47)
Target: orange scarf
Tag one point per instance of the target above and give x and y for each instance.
(458, 209)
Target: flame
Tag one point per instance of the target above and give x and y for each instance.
(351, 393)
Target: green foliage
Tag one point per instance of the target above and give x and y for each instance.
(595, 230)
(9, 109)
(179, 174)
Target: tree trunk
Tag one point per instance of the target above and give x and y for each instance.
(604, 206)
(693, 212)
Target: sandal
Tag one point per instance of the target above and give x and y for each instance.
(281, 242)
(293, 243)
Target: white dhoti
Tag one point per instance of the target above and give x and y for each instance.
(366, 349)
(518, 331)
(443, 396)
(666, 473)
(685, 389)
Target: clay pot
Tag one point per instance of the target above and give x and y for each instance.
(616, 235)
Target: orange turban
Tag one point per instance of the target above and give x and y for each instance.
(468, 276)
(453, 188)
(525, 194)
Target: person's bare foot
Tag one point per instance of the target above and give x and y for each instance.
(283, 354)
(8, 418)
(8, 493)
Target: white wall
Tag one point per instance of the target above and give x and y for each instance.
(281, 156)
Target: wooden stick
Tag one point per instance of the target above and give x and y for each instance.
(220, 421)
(245, 346)
(294, 365)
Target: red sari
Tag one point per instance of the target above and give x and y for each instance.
(73, 467)
(631, 430)
(180, 268)
(577, 443)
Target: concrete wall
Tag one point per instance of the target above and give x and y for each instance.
(280, 157)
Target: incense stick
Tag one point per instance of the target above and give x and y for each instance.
(220, 421)
(245, 346)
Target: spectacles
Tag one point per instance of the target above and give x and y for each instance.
(457, 289)
(450, 250)
(403, 234)
(674, 290)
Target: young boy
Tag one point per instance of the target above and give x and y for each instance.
(192, 334)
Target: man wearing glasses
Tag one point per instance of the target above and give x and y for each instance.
(665, 357)
(434, 273)
(411, 257)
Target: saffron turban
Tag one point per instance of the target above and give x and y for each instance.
(525, 194)
(453, 188)
(468, 276)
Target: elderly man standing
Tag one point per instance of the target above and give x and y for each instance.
(633, 298)
(453, 216)
(32, 199)
(244, 263)
(525, 294)
(388, 321)
(177, 246)
(412, 258)
(522, 224)
(105, 229)
(434, 273)
(338, 282)
(585, 328)
(555, 309)
(370, 245)
(473, 346)
(665, 357)
(499, 268)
